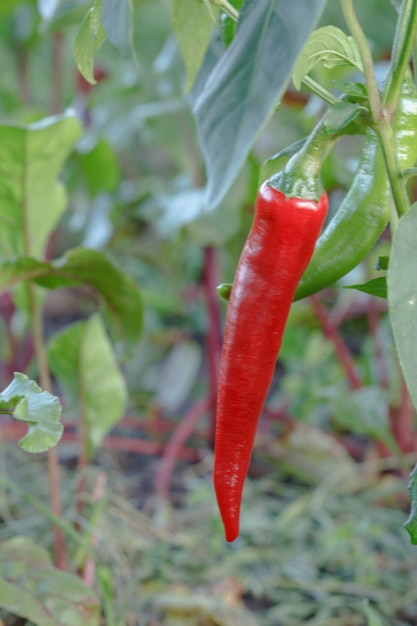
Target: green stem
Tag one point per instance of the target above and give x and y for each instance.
(380, 116)
(301, 176)
(52, 457)
(319, 91)
(367, 61)
(404, 41)
(227, 8)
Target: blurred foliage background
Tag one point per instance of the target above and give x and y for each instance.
(322, 540)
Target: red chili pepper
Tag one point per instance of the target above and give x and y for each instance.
(277, 251)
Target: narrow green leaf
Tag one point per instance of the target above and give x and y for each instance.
(119, 294)
(402, 297)
(31, 199)
(117, 19)
(375, 287)
(82, 359)
(242, 90)
(411, 524)
(31, 587)
(330, 46)
(40, 409)
(90, 37)
(374, 618)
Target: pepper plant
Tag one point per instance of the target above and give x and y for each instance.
(239, 60)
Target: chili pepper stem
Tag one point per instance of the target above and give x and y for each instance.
(301, 176)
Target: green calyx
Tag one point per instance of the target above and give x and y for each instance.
(301, 176)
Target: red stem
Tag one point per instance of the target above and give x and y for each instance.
(331, 332)
(57, 72)
(214, 332)
(173, 447)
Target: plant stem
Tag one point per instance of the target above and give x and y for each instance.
(319, 90)
(380, 116)
(404, 41)
(367, 61)
(331, 332)
(53, 465)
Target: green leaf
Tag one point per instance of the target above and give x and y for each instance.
(340, 115)
(119, 294)
(382, 264)
(82, 359)
(402, 297)
(31, 199)
(31, 587)
(353, 91)
(374, 618)
(89, 38)
(330, 46)
(375, 287)
(117, 19)
(242, 90)
(411, 524)
(193, 26)
(100, 167)
(40, 409)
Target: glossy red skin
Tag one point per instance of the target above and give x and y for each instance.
(277, 251)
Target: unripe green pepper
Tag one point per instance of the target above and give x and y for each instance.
(365, 211)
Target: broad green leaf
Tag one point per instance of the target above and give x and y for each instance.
(32, 588)
(40, 409)
(376, 287)
(330, 46)
(118, 293)
(193, 25)
(100, 167)
(117, 19)
(89, 38)
(82, 359)
(31, 198)
(411, 524)
(402, 297)
(242, 90)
